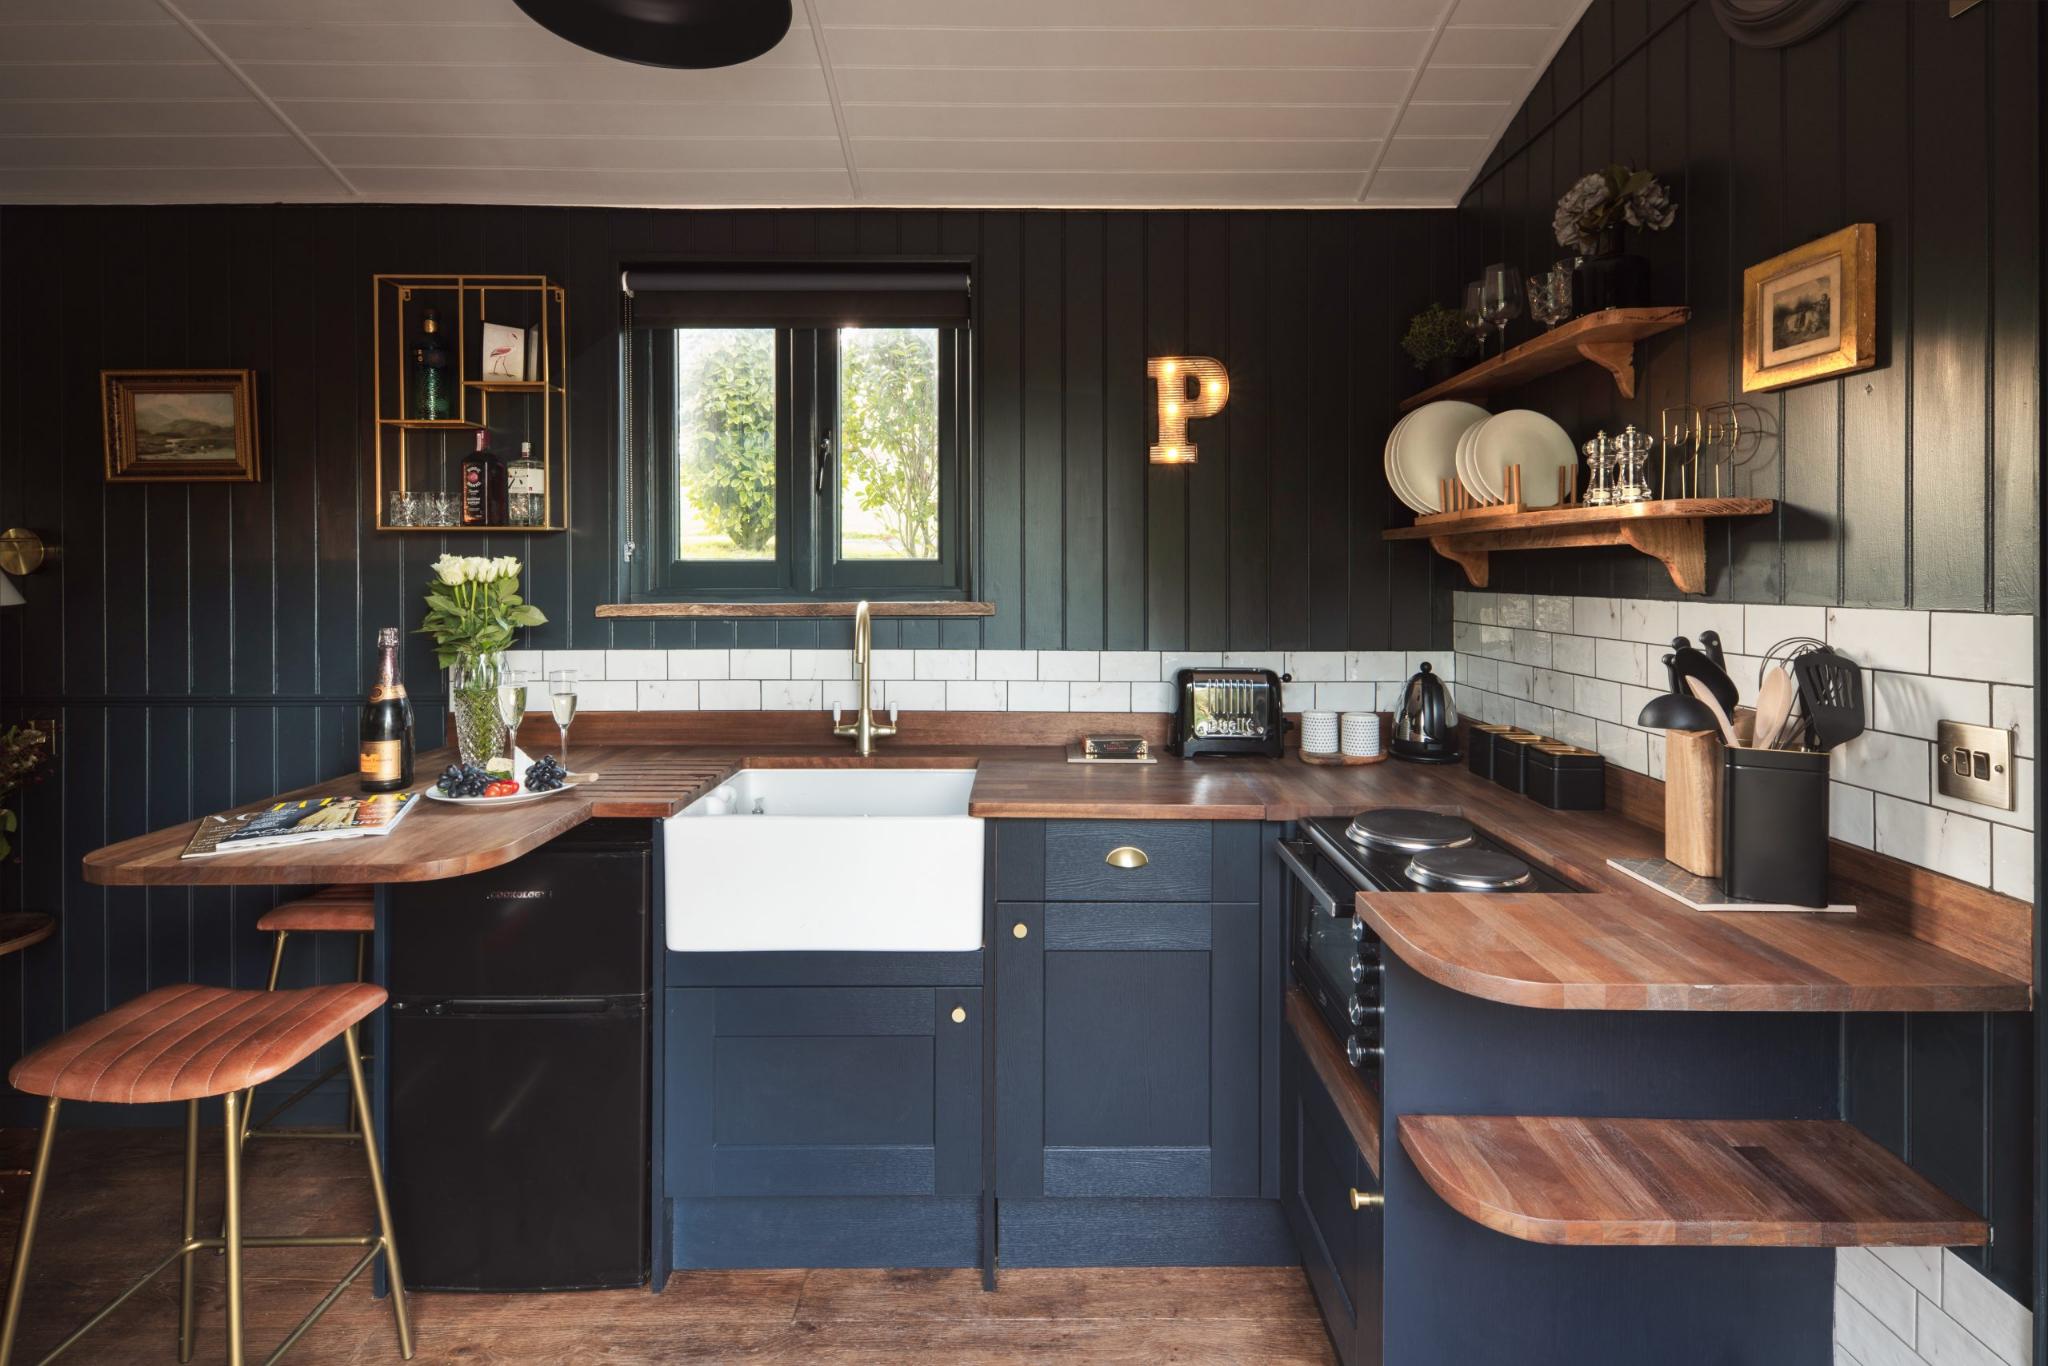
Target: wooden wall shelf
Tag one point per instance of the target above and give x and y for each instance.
(1670, 531)
(1606, 339)
(721, 610)
(1683, 1183)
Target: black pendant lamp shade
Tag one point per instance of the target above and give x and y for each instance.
(690, 34)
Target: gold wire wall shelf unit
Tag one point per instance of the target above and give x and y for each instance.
(421, 450)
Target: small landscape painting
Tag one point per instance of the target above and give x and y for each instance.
(180, 424)
(1811, 312)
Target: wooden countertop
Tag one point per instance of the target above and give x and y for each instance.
(1621, 947)
(1689, 1183)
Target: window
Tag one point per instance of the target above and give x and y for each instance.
(792, 460)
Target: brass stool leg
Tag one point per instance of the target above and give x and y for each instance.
(354, 1121)
(190, 1229)
(276, 966)
(351, 1053)
(232, 1236)
(19, 1281)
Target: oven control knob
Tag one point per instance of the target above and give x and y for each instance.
(1357, 931)
(1360, 1012)
(1357, 1052)
(1357, 968)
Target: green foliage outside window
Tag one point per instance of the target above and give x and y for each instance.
(891, 448)
(728, 432)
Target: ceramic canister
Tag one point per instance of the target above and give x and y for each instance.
(1319, 732)
(1360, 731)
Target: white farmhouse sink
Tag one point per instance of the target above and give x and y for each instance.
(794, 860)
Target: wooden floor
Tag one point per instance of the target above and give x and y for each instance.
(112, 1208)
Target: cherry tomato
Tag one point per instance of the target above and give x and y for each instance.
(502, 787)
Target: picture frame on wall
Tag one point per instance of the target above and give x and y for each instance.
(1811, 312)
(190, 426)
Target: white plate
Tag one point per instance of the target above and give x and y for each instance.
(1468, 474)
(1393, 470)
(1428, 448)
(575, 780)
(1525, 437)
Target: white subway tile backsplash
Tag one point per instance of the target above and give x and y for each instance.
(822, 664)
(1036, 696)
(1911, 704)
(1276, 660)
(1766, 624)
(1477, 672)
(1390, 696)
(1852, 816)
(2012, 708)
(759, 664)
(1724, 618)
(1945, 841)
(1575, 654)
(1069, 665)
(668, 696)
(1087, 696)
(2012, 861)
(1153, 697)
(1530, 716)
(1920, 1266)
(1880, 637)
(977, 695)
(1443, 661)
(1130, 666)
(919, 695)
(1993, 1317)
(1171, 663)
(588, 664)
(1944, 1342)
(1624, 745)
(1596, 617)
(1622, 662)
(632, 664)
(1575, 729)
(729, 694)
(600, 695)
(1650, 620)
(1983, 645)
(2022, 813)
(1895, 764)
(1315, 666)
(1633, 700)
(944, 665)
(1517, 681)
(1007, 666)
(1347, 696)
(892, 665)
(700, 664)
(843, 694)
(794, 694)
(1514, 609)
(1865, 1339)
(1532, 648)
(1597, 698)
(1552, 689)
(1375, 666)
(1878, 1288)
(1553, 614)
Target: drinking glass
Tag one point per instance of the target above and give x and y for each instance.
(1473, 315)
(1550, 297)
(512, 699)
(440, 509)
(1500, 298)
(562, 698)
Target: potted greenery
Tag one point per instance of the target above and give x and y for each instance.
(473, 607)
(1436, 341)
(24, 755)
(1591, 221)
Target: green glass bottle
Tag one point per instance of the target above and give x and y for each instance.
(433, 389)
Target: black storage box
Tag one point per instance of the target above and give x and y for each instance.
(1510, 751)
(1774, 825)
(1564, 777)
(1479, 747)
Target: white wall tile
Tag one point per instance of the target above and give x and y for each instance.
(1765, 624)
(1880, 637)
(945, 664)
(1030, 696)
(1633, 700)
(1497, 641)
(1942, 840)
(1622, 662)
(588, 664)
(1390, 696)
(1172, 662)
(1983, 645)
(1597, 698)
(1650, 620)
(1596, 617)
(1487, 609)
(1552, 689)
(1465, 637)
(1653, 743)
(2022, 812)
(977, 695)
(1852, 815)
(1868, 1341)
(923, 695)
(532, 661)
(1553, 614)
(1153, 697)
(700, 664)
(1624, 745)
(1276, 660)
(1530, 716)
(1443, 661)
(793, 694)
(2012, 861)
(1068, 665)
(1895, 764)
(1911, 704)
(1944, 1342)
(1532, 648)
(1920, 1266)
(1130, 666)
(668, 696)
(1086, 696)
(1724, 617)
(758, 664)
(599, 695)
(1575, 729)
(821, 664)
(892, 664)
(2013, 709)
(1307, 666)
(1575, 654)
(1006, 665)
(1347, 696)
(1514, 609)
(1479, 673)
(628, 664)
(843, 694)
(1878, 1288)
(1517, 681)
(729, 694)
(1995, 1318)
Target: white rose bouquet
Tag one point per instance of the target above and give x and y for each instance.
(473, 607)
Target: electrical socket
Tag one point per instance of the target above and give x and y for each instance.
(1974, 763)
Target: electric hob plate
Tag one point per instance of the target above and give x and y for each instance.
(1468, 870)
(1409, 831)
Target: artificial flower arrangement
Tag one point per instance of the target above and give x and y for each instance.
(1590, 214)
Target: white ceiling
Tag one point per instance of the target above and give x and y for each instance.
(866, 102)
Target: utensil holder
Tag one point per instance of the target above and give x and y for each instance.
(1774, 825)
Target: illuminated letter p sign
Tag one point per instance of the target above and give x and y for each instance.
(1211, 390)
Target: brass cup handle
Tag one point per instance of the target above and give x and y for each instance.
(1126, 856)
(1366, 1199)
(959, 1014)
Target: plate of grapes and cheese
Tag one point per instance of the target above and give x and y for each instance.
(506, 782)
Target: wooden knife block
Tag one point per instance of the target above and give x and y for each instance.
(1692, 800)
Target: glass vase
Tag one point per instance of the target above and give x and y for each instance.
(480, 734)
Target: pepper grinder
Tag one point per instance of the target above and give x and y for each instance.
(1599, 471)
(1632, 449)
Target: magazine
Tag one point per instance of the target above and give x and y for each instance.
(307, 821)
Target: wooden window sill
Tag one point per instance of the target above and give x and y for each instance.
(720, 610)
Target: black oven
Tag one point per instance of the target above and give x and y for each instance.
(1335, 955)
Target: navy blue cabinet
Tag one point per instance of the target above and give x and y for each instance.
(1341, 1247)
(824, 1125)
(1131, 1051)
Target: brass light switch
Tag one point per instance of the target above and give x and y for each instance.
(1974, 763)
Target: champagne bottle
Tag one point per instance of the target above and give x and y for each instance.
(385, 758)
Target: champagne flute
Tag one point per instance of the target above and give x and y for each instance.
(562, 698)
(1473, 315)
(1500, 298)
(512, 704)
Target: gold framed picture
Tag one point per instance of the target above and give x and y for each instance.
(183, 425)
(1811, 312)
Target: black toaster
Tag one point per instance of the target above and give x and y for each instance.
(1227, 711)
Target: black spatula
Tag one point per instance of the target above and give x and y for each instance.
(1831, 694)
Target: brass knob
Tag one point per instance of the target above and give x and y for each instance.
(1366, 1199)
(959, 1014)
(1126, 856)
(1020, 929)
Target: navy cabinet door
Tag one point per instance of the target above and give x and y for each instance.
(1128, 1047)
(824, 1091)
(1341, 1248)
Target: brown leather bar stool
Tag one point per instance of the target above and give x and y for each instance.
(346, 909)
(194, 1043)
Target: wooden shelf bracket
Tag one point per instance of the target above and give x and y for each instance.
(1670, 531)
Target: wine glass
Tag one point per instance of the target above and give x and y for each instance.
(1473, 315)
(562, 698)
(1500, 298)
(512, 702)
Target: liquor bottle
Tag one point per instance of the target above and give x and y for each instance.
(385, 758)
(433, 389)
(483, 486)
(526, 488)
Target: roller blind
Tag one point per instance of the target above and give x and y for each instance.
(785, 295)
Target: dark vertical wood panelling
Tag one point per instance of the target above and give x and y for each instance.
(1082, 433)
(1166, 486)
(1910, 485)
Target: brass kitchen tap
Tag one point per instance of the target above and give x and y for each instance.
(863, 728)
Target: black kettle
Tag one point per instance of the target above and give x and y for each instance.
(1426, 722)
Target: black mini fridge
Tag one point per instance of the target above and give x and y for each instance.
(518, 1111)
